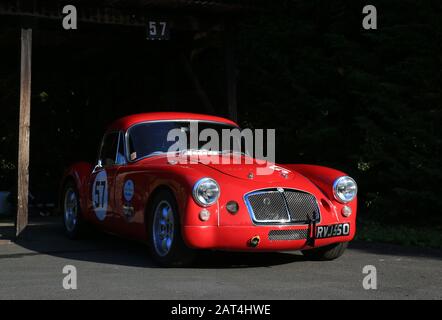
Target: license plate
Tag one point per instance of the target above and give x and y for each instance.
(334, 230)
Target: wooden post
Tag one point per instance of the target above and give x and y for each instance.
(24, 128)
(231, 72)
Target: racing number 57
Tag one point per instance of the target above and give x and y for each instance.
(100, 189)
(153, 28)
(158, 30)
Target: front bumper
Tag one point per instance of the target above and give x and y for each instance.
(237, 238)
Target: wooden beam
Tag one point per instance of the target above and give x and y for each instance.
(231, 71)
(24, 131)
(86, 14)
(113, 10)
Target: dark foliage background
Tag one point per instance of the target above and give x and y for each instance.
(366, 102)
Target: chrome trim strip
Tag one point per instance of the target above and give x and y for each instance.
(118, 146)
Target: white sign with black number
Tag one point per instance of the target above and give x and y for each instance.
(158, 30)
(100, 195)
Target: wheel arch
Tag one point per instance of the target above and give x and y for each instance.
(158, 189)
(76, 174)
(322, 177)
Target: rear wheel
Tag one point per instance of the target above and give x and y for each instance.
(166, 243)
(330, 252)
(71, 211)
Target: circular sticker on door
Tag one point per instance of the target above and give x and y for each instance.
(129, 190)
(100, 195)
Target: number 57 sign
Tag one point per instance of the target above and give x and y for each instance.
(158, 30)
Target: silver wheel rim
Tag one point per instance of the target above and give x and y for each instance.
(163, 228)
(70, 210)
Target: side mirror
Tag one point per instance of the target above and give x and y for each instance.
(98, 166)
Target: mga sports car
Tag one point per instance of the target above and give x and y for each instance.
(136, 191)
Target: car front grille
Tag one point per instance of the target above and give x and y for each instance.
(269, 206)
(282, 206)
(288, 234)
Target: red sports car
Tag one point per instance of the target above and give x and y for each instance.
(137, 190)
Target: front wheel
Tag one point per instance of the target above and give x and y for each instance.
(166, 243)
(327, 253)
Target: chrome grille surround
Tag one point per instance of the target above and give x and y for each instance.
(268, 206)
(288, 234)
(282, 206)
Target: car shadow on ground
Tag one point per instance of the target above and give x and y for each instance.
(46, 237)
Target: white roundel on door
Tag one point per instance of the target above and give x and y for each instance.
(129, 190)
(100, 195)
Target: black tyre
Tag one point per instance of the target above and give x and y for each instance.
(71, 211)
(327, 253)
(164, 230)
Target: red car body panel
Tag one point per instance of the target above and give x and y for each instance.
(223, 230)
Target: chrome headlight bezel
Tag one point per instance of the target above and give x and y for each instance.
(198, 190)
(341, 185)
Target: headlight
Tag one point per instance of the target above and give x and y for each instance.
(345, 189)
(206, 192)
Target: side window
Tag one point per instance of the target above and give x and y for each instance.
(132, 152)
(121, 159)
(108, 152)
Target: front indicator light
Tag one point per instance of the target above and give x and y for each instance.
(346, 211)
(204, 215)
